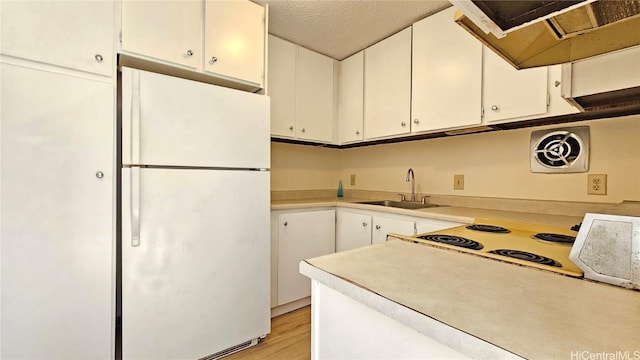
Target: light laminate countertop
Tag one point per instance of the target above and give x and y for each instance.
(532, 313)
(446, 213)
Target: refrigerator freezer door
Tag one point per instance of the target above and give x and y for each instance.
(168, 121)
(198, 282)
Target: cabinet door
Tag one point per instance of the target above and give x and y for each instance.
(429, 225)
(384, 226)
(234, 40)
(509, 93)
(57, 210)
(387, 83)
(314, 96)
(72, 34)
(447, 74)
(351, 105)
(282, 86)
(166, 30)
(353, 230)
(301, 236)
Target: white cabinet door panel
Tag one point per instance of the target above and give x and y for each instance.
(210, 126)
(301, 236)
(353, 230)
(351, 105)
(282, 86)
(200, 263)
(57, 216)
(429, 225)
(314, 96)
(72, 34)
(446, 74)
(509, 93)
(387, 83)
(165, 30)
(384, 226)
(234, 39)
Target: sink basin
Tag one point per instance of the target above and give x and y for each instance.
(398, 204)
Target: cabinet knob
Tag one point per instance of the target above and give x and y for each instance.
(403, 124)
(303, 130)
(364, 224)
(557, 83)
(357, 132)
(494, 107)
(213, 60)
(286, 223)
(99, 174)
(416, 121)
(189, 53)
(377, 227)
(99, 58)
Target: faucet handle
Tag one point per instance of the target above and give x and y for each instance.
(402, 198)
(423, 199)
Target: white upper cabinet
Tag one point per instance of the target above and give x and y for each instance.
(224, 39)
(351, 103)
(314, 96)
(301, 84)
(234, 40)
(71, 34)
(166, 30)
(447, 75)
(282, 86)
(509, 93)
(387, 84)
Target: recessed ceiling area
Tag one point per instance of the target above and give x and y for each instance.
(340, 28)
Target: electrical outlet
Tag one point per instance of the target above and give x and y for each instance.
(353, 180)
(597, 184)
(458, 182)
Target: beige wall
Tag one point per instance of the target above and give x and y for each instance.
(303, 167)
(495, 164)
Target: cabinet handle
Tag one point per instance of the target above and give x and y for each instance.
(189, 53)
(291, 127)
(99, 58)
(416, 121)
(99, 174)
(286, 223)
(377, 227)
(494, 107)
(303, 130)
(364, 224)
(403, 124)
(213, 60)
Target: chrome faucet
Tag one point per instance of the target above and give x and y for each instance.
(411, 177)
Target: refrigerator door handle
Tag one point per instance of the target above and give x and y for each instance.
(135, 206)
(135, 118)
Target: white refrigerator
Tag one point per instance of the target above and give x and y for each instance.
(195, 218)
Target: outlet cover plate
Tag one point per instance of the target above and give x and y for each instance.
(597, 184)
(458, 182)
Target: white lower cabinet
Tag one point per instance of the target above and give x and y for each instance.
(297, 236)
(56, 230)
(357, 228)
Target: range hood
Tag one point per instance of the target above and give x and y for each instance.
(534, 33)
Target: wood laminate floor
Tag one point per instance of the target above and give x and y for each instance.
(290, 339)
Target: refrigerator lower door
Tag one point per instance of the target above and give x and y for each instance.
(197, 280)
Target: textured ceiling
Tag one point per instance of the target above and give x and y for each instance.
(339, 28)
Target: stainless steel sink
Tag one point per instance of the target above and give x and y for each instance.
(398, 204)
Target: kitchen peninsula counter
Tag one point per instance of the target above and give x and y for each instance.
(484, 308)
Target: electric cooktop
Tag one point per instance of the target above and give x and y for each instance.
(538, 246)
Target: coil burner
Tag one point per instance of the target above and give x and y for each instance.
(453, 240)
(526, 256)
